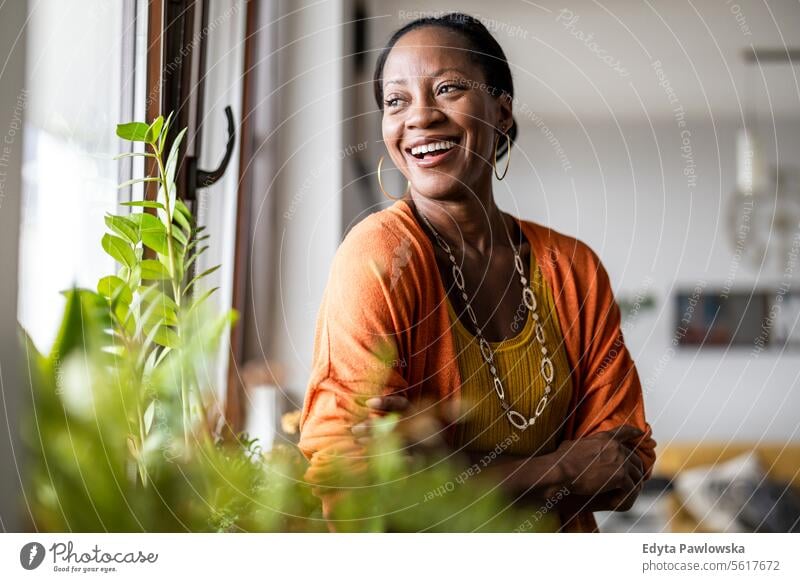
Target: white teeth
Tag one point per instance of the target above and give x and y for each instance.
(439, 145)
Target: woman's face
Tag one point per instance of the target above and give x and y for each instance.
(435, 97)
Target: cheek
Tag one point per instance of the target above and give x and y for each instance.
(483, 141)
(392, 134)
(390, 129)
(479, 134)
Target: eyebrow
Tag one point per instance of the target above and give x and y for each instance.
(437, 73)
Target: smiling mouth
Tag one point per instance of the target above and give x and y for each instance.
(432, 150)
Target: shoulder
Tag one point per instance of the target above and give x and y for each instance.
(378, 230)
(375, 250)
(376, 237)
(576, 273)
(562, 251)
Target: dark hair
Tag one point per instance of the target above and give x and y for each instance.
(484, 49)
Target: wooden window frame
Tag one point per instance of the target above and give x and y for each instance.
(175, 72)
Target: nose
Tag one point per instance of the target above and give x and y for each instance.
(424, 113)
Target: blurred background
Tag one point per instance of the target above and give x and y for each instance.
(664, 134)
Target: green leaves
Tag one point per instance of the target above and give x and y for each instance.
(156, 330)
(141, 346)
(156, 295)
(148, 415)
(201, 299)
(179, 236)
(135, 131)
(167, 337)
(172, 159)
(136, 181)
(163, 137)
(205, 273)
(183, 217)
(115, 289)
(123, 226)
(152, 231)
(154, 131)
(119, 249)
(85, 315)
(145, 204)
(138, 131)
(133, 155)
(153, 270)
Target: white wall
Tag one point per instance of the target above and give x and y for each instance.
(624, 192)
(626, 195)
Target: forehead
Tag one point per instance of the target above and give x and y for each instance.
(424, 52)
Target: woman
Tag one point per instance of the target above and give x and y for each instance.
(443, 296)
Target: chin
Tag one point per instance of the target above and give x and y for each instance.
(436, 186)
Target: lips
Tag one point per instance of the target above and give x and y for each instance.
(431, 151)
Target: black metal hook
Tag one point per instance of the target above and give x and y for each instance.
(201, 178)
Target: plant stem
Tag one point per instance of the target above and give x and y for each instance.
(164, 184)
(140, 421)
(176, 291)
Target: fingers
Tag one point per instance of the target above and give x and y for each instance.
(636, 461)
(621, 499)
(631, 487)
(629, 481)
(632, 461)
(381, 405)
(634, 472)
(622, 477)
(609, 460)
(625, 469)
(391, 403)
(626, 432)
(633, 479)
(362, 429)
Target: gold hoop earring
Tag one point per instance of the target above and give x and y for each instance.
(385, 193)
(508, 153)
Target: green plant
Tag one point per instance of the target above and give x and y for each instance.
(421, 492)
(123, 435)
(150, 298)
(83, 474)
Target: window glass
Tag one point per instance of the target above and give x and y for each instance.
(80, 82)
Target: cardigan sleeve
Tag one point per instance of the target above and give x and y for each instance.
(355, 356)
(611, 392)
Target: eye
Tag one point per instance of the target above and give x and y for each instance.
(392, 101)
(450, 87)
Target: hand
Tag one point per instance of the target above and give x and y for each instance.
(419, 426)
(617, 499)
(603, 462)
(614, 500)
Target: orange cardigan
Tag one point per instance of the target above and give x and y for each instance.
(385, 302)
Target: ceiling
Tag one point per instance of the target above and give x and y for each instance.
(586, 59)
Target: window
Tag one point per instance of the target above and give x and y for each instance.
(82, 79)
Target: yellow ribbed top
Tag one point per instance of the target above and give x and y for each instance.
(484, 426)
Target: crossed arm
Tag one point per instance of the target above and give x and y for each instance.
(604, 464)
(601, 472)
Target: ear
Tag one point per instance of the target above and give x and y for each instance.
(505, 112)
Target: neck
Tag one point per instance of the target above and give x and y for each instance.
(472, 223)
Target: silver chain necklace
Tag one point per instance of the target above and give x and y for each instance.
(517, 419)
